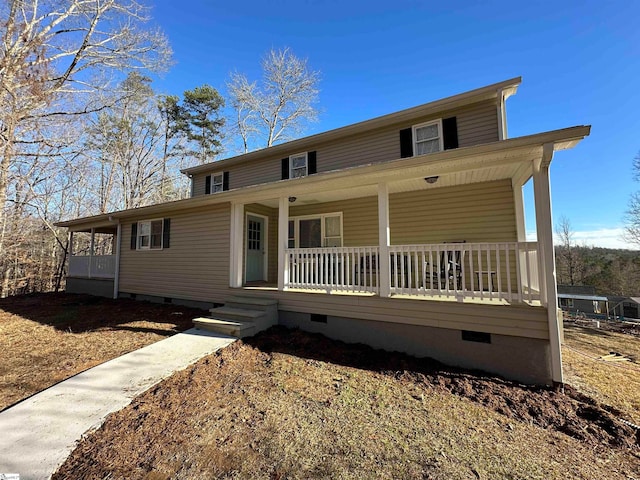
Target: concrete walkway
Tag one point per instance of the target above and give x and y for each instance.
(37, 435)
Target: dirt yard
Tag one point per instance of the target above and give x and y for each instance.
(287, 404)
(47, 338)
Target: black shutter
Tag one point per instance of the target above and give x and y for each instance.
(134, 236)
(312, 166)
(406, 143)
(285, 168)
(166, 232)
(207, 185)
(450, 133)
(225, 181)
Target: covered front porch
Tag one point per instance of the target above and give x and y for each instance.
(449, 232)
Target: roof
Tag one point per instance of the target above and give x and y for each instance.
(488, 155)
(582, 297)
(508, 87)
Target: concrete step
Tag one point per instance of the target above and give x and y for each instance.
(255, 301)
(236, 314)
(226, 327)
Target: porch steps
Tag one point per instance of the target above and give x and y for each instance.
(240, 316)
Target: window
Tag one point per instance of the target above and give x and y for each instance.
(316, 231)
(566, 302)
(150, 234)
(217, 183)
(427, 138)
(298, 165)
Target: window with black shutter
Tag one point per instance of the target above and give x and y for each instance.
(151, 234)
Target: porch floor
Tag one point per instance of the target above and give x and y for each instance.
(431, 298)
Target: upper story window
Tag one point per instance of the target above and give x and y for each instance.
(216, 182)
(427, 138)
(298, 166)
(150, 234)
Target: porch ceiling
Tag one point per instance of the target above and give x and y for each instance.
(448, 174)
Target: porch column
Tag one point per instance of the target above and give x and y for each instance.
(283, 242)
(518, 203)
(544, 227)
(384, 271)
(116, 275)
(92, 250)
(236, 243)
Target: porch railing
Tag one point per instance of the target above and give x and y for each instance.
(348, 269)
(504, 271)
(92, 266)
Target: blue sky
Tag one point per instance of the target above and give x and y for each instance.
(580, 63)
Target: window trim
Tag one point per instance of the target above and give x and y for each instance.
(321, 217)
(139, 236)
(213, 183)
(306, 164)
(568, 302)
(414, 136)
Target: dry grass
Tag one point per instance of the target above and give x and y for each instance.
(260, 411)
(614, 383)
(50, 337)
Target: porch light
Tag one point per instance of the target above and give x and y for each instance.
(292, 199)
(431, 180)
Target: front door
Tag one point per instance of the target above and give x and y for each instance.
(256, 248)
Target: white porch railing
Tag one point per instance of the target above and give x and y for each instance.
(504, 271)
(347, 269)
(96, 266)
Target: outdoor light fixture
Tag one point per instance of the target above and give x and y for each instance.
(431, 180)
(292, 199)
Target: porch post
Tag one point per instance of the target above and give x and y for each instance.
(384, 271)
(116, 275)
(283, 242)
(91, 249)
(544, 227)
(518, 203)
(236, 244)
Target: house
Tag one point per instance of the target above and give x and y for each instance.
(405, 232)
(624, 307)
(582, 299)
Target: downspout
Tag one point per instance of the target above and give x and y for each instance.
(116, 276)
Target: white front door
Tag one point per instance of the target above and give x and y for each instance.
(256, 248)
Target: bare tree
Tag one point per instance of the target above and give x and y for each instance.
(569, 261)
(54, 55)
(279, 107)
(632, 229)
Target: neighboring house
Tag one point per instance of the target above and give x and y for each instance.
(624, 307)
(405, 232)
(582, 299)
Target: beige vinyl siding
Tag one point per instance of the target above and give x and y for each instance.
(478, 212)
(477, 124)
(195, 267)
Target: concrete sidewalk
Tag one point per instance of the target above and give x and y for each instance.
(37, 435)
